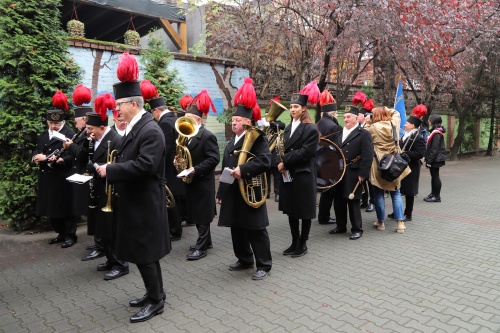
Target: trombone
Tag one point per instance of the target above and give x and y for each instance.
(109, 188)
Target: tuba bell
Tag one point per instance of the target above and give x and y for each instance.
(275, 110)
(255, 187)
(187, 128)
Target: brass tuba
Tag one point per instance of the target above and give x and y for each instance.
(256, 186)
(109, 187)
(187, 128)
(170, 198)
(274, 112)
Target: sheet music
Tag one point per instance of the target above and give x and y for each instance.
(78, 179)
(225, 176)
(59, 136)
(185, 173)
(287, 178)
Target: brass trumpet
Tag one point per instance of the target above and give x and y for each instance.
(109, 188)
(187, 128)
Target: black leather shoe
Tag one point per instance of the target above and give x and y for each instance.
(193, 247)
(337, 231)
(370, 208)
(104, 267)
(433, 199)
(140, 302)
(407, 218)
(330, 221)
(277, 198)
(175, 238)
(147, 312)
(239, 266)
(93, 255)
(186, 224)
(68, 243)
(363, 204)
(260, 275)
(114, 274)
(196, 254)
(391, 215)
(356, 235)
(91, 247)
(58, 239)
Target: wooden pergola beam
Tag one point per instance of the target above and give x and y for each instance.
(180, 42)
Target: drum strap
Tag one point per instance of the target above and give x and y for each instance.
(354, 160)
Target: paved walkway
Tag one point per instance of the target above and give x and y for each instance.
(442, 275)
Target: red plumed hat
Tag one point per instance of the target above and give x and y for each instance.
(148, 90)
(326, 98)
(312, 92)
(358, 98)
(201, 104)
(368, 105)
(256, 113)
(60, 101)
(103, 103)
(276, 99)
(246, 94)
(81, 95)
(185, 101)
(128, 69)
(419, 111)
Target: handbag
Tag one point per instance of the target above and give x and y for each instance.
(392, 165)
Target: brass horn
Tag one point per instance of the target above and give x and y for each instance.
(170, 198)
(187, 128)
(109, 187)
(275, 110)
(254, 187)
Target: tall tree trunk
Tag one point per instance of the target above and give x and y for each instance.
(461, 128)
(489, 151)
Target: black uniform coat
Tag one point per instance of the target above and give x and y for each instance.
(54, 192)
(234, 212)
(329, 127)
(200, 193)
(100, 220)
(414, 148)
(167, 125)
(80, 192)
(358, 143)
(298, 198)
(142, 234)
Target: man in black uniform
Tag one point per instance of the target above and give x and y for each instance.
(138, 176)
(166, 120)
(248, 224)
(357, 146)
(200, 191)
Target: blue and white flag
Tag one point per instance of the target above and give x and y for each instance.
(399, 105)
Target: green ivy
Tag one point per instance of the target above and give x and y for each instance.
(34, 64)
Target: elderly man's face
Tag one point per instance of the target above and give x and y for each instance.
(55, 125)
(120, 123)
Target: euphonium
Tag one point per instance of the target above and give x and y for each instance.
(249, 188)
(187, 128)
(274, 112)
(109, 187)
(170, 198)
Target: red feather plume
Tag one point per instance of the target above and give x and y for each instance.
(358, 98)
(203, 102)
(185, 101)
(81, 95)
(60, 101)
(326, 98)
(312, 91)
(246, 94)
(148, 90)
(128, 69)
(103, 103)
(276, 99)
(256, 114)
(368, 105)
(419, 111)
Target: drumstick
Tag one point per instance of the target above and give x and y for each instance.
(351, 196)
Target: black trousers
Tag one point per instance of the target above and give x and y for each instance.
(435, 181)
(295, 228)
(107, 247)
(325, 205)
(368, 190)
(153, 281)
(410, 199)
(204, 237)
(248, 244)
(175, 216)
(339, 205)
(273, 171)
(65, 227)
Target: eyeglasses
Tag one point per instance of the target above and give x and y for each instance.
(119, 104)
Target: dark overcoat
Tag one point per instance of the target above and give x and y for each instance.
(298, 197)
(54, 193)
(138, 175)
(234, 212)
(80, 192)
(96, 218)
(414, 148)
(329, 127)
(200, 193)
(358, 143)
(167, 125)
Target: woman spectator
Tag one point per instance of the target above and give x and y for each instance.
(435, 156)
(384, 129)
(413, 147)
(298, 193)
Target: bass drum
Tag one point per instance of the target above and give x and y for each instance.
(330, 165)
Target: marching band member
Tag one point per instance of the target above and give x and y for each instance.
(248, 224)
(298, 192)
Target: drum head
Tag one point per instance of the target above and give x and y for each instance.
(330, 165)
